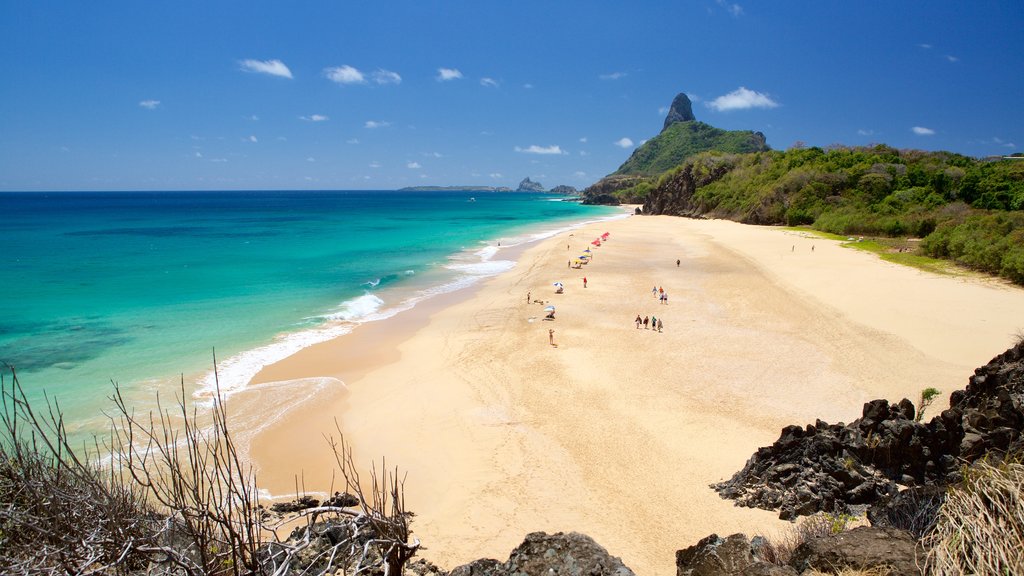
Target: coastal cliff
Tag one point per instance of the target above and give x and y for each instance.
(682, 136)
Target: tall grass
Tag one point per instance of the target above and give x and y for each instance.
(980, 529)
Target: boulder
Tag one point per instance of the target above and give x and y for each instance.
(862, 548)
(731, 556)
(568, 554)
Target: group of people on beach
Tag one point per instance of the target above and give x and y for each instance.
(649, 322)
(659, 293)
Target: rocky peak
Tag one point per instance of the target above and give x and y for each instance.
(528, 185)
(681, 111)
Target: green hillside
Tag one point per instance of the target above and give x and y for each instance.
(967, 210)
(681, 140)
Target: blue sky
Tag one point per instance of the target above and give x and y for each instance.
(129, 95)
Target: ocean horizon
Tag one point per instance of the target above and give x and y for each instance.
(140, 288)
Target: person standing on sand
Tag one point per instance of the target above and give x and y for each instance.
(659, 324)
(639, 321)
(677, 263)
(654, 322)
(551, 336)
(584, 281)
(654, 291)
(527, 297)
(646, 321)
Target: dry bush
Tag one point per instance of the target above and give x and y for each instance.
(980, 529)
(779, 550)
(176, 498)
(61, 513)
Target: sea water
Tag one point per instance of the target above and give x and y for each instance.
(142, 288)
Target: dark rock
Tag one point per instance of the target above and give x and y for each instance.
(680, 111)
(563, 189)
(823, 467)
(570, 554)
(296, 505)
(914, 510)
(528, 185)
(732, 556)
(422, 567)
(482, 567)
(342, 500)
(862, 548)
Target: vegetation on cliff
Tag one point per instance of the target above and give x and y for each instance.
(681, 140)
(963, 209)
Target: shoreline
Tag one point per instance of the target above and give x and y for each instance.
(617, 432)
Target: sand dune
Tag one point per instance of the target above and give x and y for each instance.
(618, 431)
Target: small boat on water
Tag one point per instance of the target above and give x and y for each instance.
(471, 199)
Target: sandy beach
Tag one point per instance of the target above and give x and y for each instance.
(616, 431)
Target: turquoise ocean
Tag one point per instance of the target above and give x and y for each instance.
(141, 287)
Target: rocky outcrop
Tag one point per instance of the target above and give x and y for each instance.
(675, 194)
(680, 111)
(528, 185)
(563, 189)
(603, 191)
(569, 554)
(829, 467)
(732, 556)
(862, 548)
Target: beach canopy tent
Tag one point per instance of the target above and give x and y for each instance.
(605, 235)
(549, 309)
(596, 242)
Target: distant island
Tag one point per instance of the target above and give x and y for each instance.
(526, 185)
(455, 188)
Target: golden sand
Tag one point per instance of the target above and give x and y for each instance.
(617, 432)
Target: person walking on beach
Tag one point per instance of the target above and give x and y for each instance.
(677, 262)
(646, 321)
(551, 336)
(584, 281)
(654, 291)
(639, 321)
(527, 297)
(659, 324)
(654, 322)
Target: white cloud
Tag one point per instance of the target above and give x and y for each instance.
(662, 110)
(218, 160)
(413, 165)
(314, 118)
(584, 139)
(534, 149)
(382, 76)
(254, 118)
(432, 154)
(734, 9)
(579, 174)
(864, 132)
(352, 141)
(742, 99)
(528, 86)
(952, 58)
(199, 154)
(272, 67)
(925, 46)
(371, 124)
(922, 131)
(584, 153)
(375, 164)
(496, 175)
(624, 143)
(310, 159)
(445, 74)
(252, 139)
(149, 104)
(344, 75)
(612, 76)
(489, 82)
